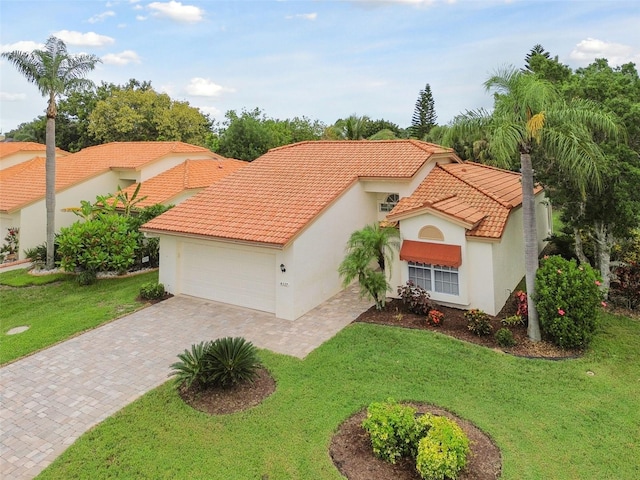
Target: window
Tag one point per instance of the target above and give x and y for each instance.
(390, 202)
(434, 278)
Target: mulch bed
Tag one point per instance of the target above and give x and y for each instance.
(352, 453)
(455, 325)
(220, 401)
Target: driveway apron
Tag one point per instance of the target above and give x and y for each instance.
(49, 399)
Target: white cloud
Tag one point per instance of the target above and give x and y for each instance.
(303, 16)
(414, 3)
(141, 18)
(22, 46)
(588, 50)
(211, 111)
(177, 11)
(203, 87)
(12, 97)
(122, 58)
(101, 17)
(89, 39)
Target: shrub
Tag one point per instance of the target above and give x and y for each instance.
(478, 322)
(504, 337)
(415, 298)
(38, 254)
(103, 243)
(567, 299)
(521, 302)
(10, 248)
(230, 361)
(191, 369)
(513, 320)
(443, 452)
(393, 430)
(435, 318)
(86, 277)
(152, 291)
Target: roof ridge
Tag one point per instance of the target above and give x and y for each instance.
(492, 196)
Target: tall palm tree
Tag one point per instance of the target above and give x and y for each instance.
(529, 114)
(54, 72)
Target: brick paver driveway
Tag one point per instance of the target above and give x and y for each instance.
(52, 397)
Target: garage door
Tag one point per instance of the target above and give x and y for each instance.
(239, 276)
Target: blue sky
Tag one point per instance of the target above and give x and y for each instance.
(324, 59)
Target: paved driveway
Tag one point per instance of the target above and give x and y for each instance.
(52, 397)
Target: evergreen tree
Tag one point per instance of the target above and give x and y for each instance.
(424, 115)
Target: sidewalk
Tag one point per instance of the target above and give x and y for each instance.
(51, 398)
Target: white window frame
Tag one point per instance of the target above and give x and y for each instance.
(390, 202)
(435, 278)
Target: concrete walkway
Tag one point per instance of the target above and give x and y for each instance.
(52, 397)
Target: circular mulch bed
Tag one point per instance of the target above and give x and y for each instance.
(220, 401)
(352, 453)
(454, 324)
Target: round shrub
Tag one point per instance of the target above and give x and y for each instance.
(443, 452)
(152, 291)
(504, 337)
(567, 298)
(86, 277)
(392, 429)
(478, 322)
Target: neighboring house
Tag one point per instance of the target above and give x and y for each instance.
(183, 181)
(93, 171)
(271, 235)
(12, 153)
(462, 235)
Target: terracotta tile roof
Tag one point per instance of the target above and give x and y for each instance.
(479, 195)
(189, 175)
(9, 148)
(25, 183)
(280, 193)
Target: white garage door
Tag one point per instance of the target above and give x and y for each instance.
(239, 276)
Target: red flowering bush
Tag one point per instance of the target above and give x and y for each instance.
(521, 302)
(435, 318)
(567, 297)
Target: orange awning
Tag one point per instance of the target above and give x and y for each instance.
(431, 253)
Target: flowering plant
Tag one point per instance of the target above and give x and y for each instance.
(567, 303)
(521, 300)
(435, 317)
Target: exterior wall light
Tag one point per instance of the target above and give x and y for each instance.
(283, 268)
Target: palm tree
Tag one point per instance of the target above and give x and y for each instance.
(372, 243)
(528, 114)
(54, 72)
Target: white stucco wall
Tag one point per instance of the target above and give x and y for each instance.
(312, 260)
(453, 235)
(33, 218)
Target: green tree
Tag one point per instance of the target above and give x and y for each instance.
(529, 113)
(54, 72)
(353, 127)
(539, 62)
(251, 134)
(424, 114)
(371, 244)
(607, 216)
(145, 115)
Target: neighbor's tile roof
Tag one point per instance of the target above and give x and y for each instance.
(275, 197)
(189, 175)
(25, 183)
(479, 195)
(10, 148)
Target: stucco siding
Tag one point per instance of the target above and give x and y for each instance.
(453, 235)
(481, 278)
(164, 164)
(318, 251)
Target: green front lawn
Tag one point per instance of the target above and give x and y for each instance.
(571, 419)
(55, 307)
